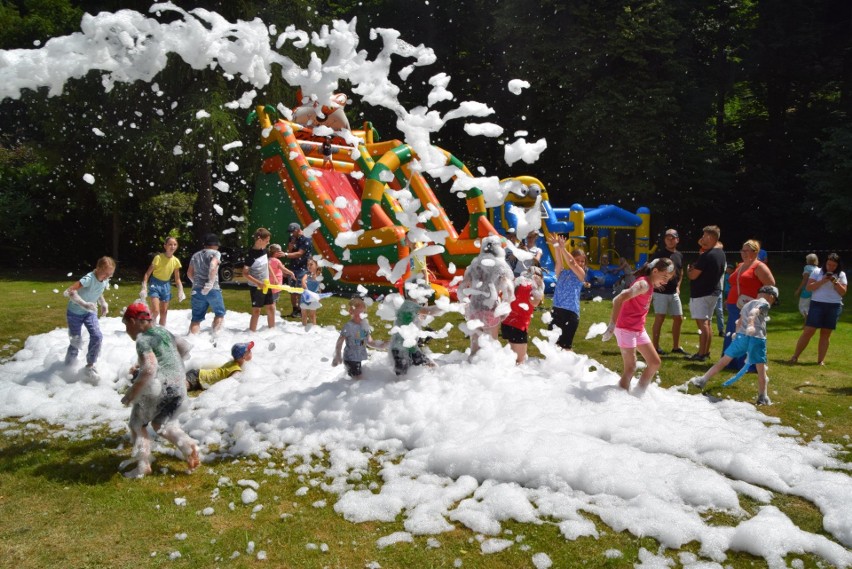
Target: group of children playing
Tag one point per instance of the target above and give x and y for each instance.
(627, 321)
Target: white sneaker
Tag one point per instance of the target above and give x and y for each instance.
(763, 399)
(90, 375)
(699, 381)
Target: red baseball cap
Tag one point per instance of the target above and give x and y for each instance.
(137, 310)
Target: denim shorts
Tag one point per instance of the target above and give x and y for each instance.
(823, 314)
(159, 289)
(200, 304)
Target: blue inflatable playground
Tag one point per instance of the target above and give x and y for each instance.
(616, 241)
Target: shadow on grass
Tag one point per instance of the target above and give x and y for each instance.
(89, 462)
(817, 389)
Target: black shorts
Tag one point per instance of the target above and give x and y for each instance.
(404, 359)
(258, 299)
(170, 401)
(353, 368)
(513, 335)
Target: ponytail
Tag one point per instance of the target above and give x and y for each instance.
(661, 264)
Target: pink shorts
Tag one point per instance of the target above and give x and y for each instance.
(631, 338)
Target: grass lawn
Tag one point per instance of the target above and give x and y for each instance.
(63, 502)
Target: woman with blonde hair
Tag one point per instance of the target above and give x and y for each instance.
(802, 292)
(746, 280)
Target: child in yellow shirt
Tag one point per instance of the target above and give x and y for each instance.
(201, 379)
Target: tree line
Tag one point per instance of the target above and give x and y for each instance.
(727, 112)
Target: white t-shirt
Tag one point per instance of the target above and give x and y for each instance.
(826, 293)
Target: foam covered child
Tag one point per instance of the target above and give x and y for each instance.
(201, 379)
(749, 341)
(355, 337)
(82, 311)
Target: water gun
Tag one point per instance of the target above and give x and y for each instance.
(310, 297)
(267, 286)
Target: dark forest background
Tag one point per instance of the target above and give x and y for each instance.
(735, 113)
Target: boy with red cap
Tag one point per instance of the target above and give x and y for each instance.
(158, 389)
(200, 379)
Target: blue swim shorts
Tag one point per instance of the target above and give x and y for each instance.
(754, 348)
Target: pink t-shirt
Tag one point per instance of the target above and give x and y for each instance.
(275, 269)
(634, 310)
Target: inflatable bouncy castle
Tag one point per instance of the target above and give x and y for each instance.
(344, 187)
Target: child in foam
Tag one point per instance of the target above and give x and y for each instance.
(404, 345)
(256, 271)
(201, 379)
(309, 301)
(277, 270)
(529, 292)
(82, 311)
(749, 341)
(158, 390)
(488, 290)
(355, 337)
(155, 283)
(627, 323)
(203, 271)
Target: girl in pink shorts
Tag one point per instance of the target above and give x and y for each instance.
(627, 322)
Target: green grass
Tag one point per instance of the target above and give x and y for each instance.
(63, 503)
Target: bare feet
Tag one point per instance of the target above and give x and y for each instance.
(624, 383)
(192, 460)
(140, 471)
(793, 360)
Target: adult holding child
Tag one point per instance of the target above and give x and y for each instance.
(155, 284)
(828, 286)
(570, 270)
(749, 276)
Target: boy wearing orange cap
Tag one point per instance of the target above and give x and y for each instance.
(158, 389)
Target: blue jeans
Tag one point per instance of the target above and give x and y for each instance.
(720, 315)
(75, 331)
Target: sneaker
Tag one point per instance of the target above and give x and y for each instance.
(90, 374)
(679, 351)
(697, 357)
(660, 352)
(763, 399)
(698, 381)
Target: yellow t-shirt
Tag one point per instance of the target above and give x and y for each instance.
(208, 376)
(164, 267)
